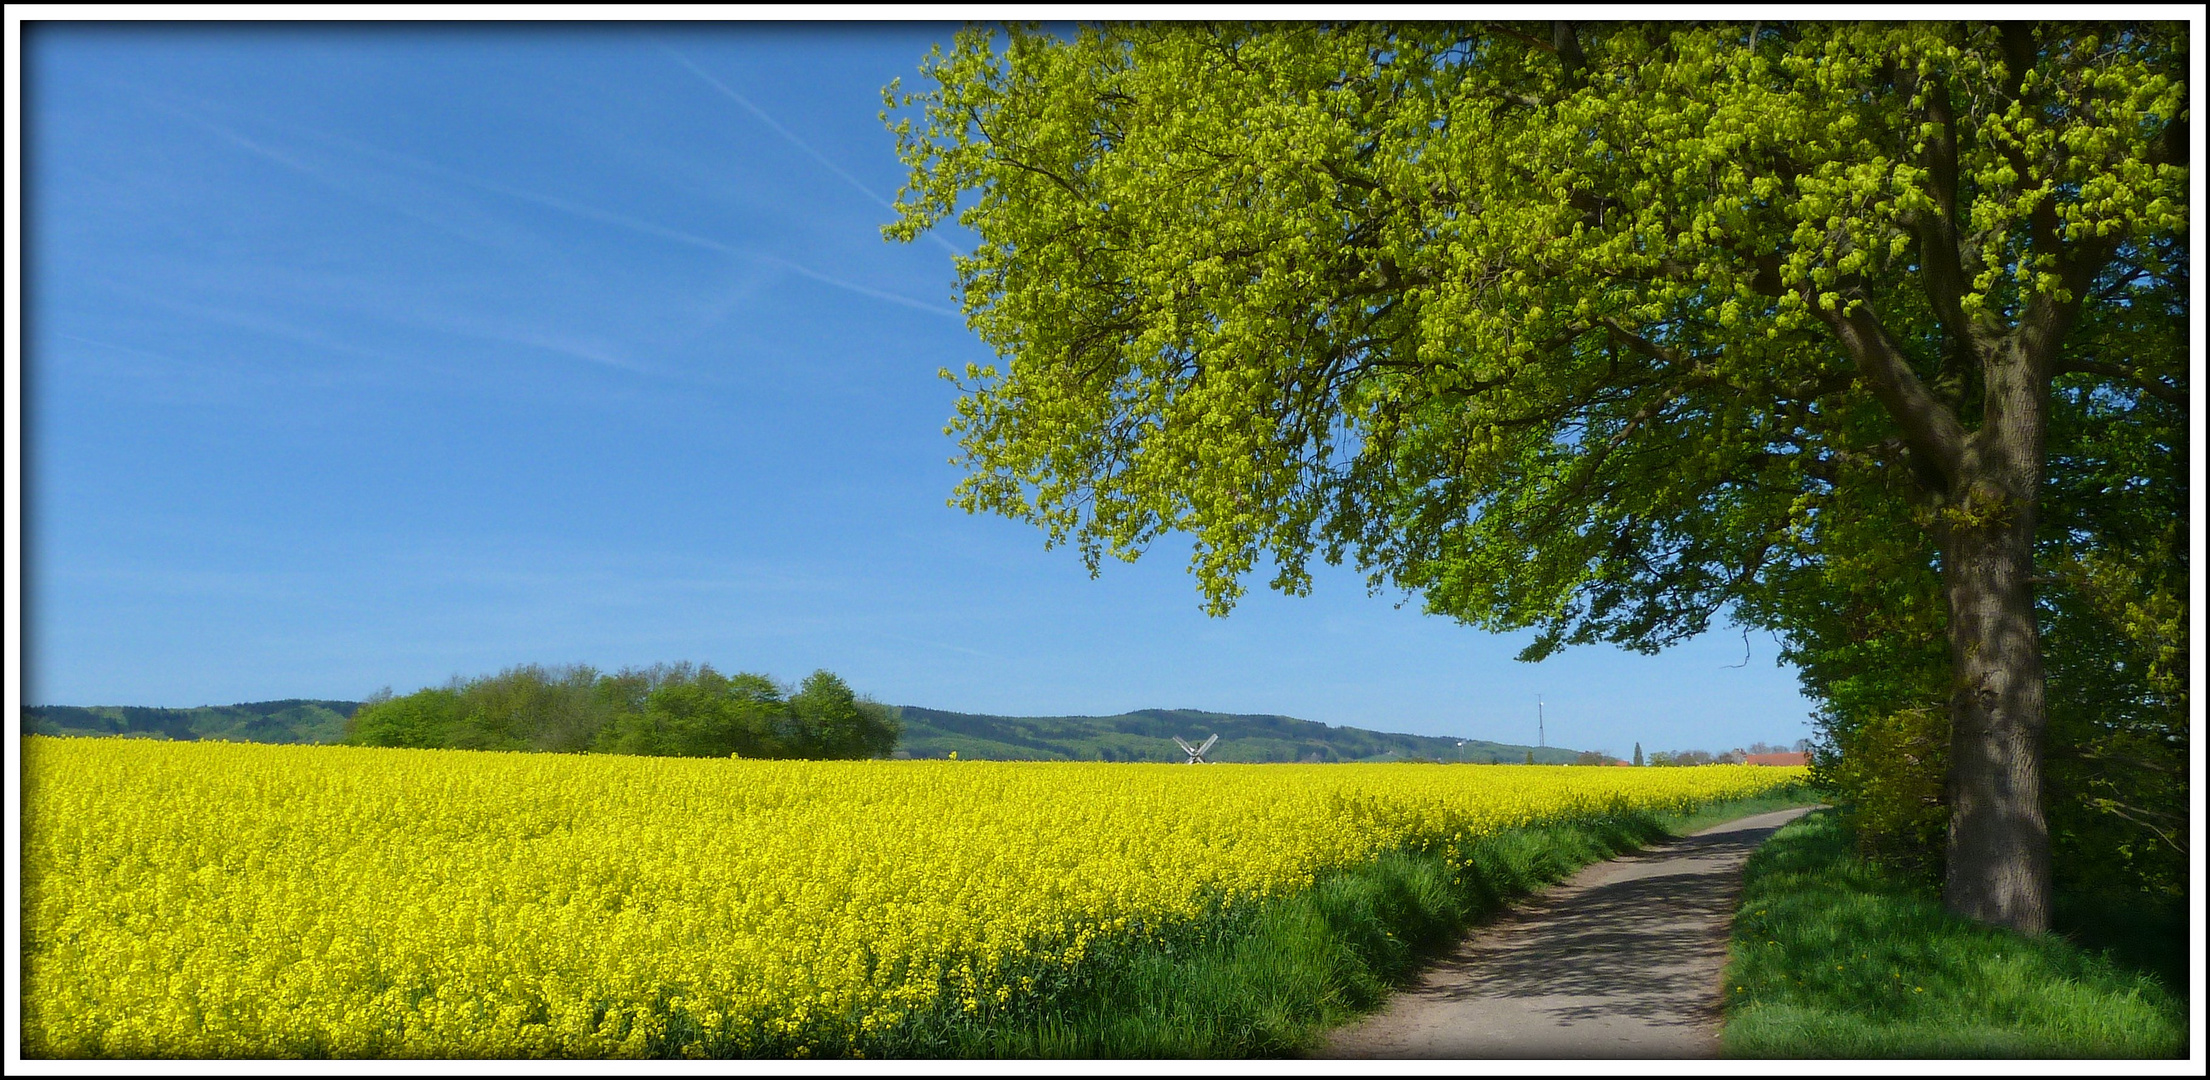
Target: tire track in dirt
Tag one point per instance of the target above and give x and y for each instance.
(1622, 960)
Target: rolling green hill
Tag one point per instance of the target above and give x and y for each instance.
(292, 720)
(1143, 735)
(1147, 735)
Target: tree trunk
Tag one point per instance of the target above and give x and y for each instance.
(1998, 867)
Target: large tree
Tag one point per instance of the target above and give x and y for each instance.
(1605, 330)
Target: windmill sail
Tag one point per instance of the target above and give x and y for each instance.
(1196, 753)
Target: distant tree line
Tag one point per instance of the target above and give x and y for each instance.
(1691, 757)
(1730, 757)
(669, 710)
(293, 720)
(1683, 757)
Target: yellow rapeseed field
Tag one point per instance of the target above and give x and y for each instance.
(209, 899)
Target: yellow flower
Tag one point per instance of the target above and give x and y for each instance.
(209, 899)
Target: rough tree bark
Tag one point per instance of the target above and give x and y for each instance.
(1983, 486)
(1998, 864)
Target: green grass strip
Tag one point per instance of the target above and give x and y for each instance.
(1271, 980)
(1833, 957)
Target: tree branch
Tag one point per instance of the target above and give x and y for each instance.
(1941, 258)
(2139, 817)
(1595, 459)
(1568, 47)
(2019, 53)
(2163, 391)
(1929, 427)
(1515, 35)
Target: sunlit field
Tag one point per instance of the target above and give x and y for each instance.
(208, 899)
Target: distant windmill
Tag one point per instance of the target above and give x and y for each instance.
(1196, 753)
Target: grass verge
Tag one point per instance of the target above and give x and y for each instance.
(1832, 957)
(1271, 979)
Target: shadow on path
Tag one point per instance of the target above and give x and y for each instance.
(1622, 960)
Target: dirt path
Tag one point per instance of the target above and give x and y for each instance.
(1620, 961)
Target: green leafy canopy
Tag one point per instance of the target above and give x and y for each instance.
(1556, 330)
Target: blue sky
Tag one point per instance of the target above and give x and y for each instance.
(359, 358)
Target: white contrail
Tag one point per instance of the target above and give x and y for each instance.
(566, 206)
(678, 236)
(850, 286)
(694, 240)
(164, 357)
(939, 644)
(786, 133)
(336, 181)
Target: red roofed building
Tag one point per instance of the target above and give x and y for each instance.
(1794, 757)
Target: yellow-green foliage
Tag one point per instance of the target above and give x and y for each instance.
(1892, 766)
(242, 900)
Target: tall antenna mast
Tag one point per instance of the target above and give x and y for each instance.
(1538, 722)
